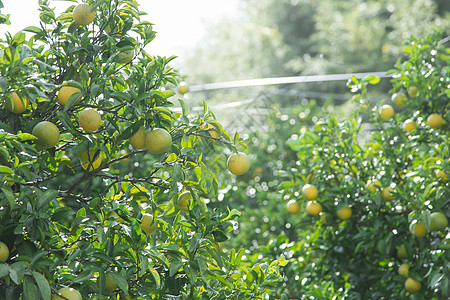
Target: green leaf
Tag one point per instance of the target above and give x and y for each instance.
(9, 196)
(29, 289)
(26, 137)
(33, 29)
(156, 276)
(43, 285)
(120, 281)
(6, 170)
(46, 198)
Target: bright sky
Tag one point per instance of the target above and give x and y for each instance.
(178, 23)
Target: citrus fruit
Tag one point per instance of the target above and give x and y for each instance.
(438, 221)
(83, 14)
(293, 207)
(47, 134)
(313, 208)
(238, 163)
(310, 192)
(158, 141)
(88, 158)
(413, 91)
(344, 213)
(183, 201)
(68, 293)
(373, 185)
(65, 92)
(409, 125)
(147, 224)
(110, 284)
(183, 88)
(417, 228)
(401, 251)
(399, 99)
(386, 112)
(138, 139)
(388, 193)
(435, 121)
(4, 252)
(403, 270)
(124, 57)
(89, 119)
(412, 285)
(19, 105)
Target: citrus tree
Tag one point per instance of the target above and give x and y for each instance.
(104, 186)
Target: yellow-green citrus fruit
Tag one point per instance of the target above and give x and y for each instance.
(238, 163)
(68, 293)
(65, 92)
(435, 121)
(417, 228)
(373, 185)
(403, 270)
(183, 201)
(124, 57)
(386, 112)
(138, 139)
(83, 14)
(19, 105)
(147, 224)
(440, 174)
(387, 193)
(313, 208)
(413, 91)
(89, 119)
(310, 192)
(47, 135)
(183, 88)
(344, 213)
(409, 126)
(88, 158)
(399, 99)
(401, 251)
(110, 284)
(158, 141)
(4, 252)
(438, 221)
(293, 207)
(412, 285)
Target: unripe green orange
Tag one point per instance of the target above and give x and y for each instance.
(158, 141)
(238, 163)
(47, 135)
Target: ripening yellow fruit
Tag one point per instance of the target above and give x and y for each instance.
(67, 293)
(183, 201)
(399, 99)
(401, 251)
(373, 185)
(18, 105)
(238, 163)
(386, 112)
(413, 91)
(138, 139)
(183, 88)
(435, 121)
(110, 284)
(47, 135)
(387, 193)
(440, 174)
(89, 119)
(83, 14)
(417, 228)
(124, 57)
(412, 285)
(293, 207)
(147, 224)
(4, 252)
(88, 158)
(344, 213)
(158, 141)
(409, 126)
(310, 192)
(403, 270)
(313, 208)
(65, 92)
